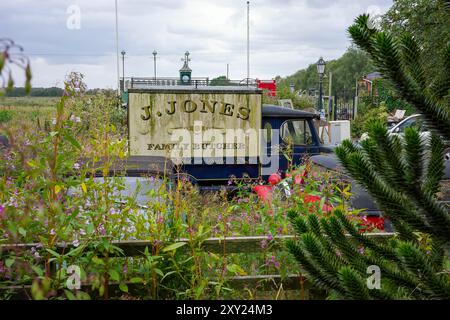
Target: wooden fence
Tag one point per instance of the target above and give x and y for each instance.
(220, 246)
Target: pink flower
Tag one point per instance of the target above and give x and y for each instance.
(263, 244)
(101, 229)
(2, 212)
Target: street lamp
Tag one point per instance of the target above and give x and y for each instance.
(123, 70)
(321, 72)
(154, 63)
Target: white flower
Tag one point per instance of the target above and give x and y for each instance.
(54, 121)
(75, 243)
(76, 166)
(77, 119)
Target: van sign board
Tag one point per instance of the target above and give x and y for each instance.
(192, 123)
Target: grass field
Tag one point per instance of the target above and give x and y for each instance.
(35, 109)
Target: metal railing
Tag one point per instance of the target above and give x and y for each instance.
(220, 246)
(148, 82)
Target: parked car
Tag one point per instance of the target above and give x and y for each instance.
(361, 199)
(416, 120)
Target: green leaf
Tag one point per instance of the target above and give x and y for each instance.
(22, 231)
(168, 274)
(173, 246)
(2, 60)
(136, 280)
(114, 275)
(9, 262)
(97, 260)
(54, 253)
(159, 272)
(38, 270)
(123, 287)
(72, 140)
(234, 268)
(69, 295)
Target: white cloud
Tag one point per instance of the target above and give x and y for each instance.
(286, 35)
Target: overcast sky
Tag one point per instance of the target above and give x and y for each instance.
(285, 35)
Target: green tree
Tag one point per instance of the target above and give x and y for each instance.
(428, 21)
(404, 178)
(346, 70)
(220, 81)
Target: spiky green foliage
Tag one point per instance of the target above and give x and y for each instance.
(335, 256)
(393, 173)
(403, 175)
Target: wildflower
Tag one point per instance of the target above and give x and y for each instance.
(54, 121)
(76, 166)
(101, 229)
(338, 253)
(52, 232)
(82, 232)
(264, 244)
(273, 261)
(2, 212)
(75, 243)
(125, 269)
(35, 253)
(361, 250)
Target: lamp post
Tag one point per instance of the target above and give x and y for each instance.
(321, 72)
(123, 70)
(154, 63)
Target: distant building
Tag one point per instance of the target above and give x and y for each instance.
(367, 81)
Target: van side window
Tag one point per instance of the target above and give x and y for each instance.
(296, 132)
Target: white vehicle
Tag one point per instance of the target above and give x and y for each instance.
(415, 120)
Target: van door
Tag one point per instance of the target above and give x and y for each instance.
(298, 139)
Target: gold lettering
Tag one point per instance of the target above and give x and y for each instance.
(147, 115)
(243, 113)
(172, 105)
(227, 109)
(207, 104)
(192, 108)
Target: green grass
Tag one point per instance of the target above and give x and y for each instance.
(33, 109)
(13, 102)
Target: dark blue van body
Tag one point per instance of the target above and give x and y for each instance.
(288, 122)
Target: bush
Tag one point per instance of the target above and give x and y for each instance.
(6, 116)
(366, 115)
